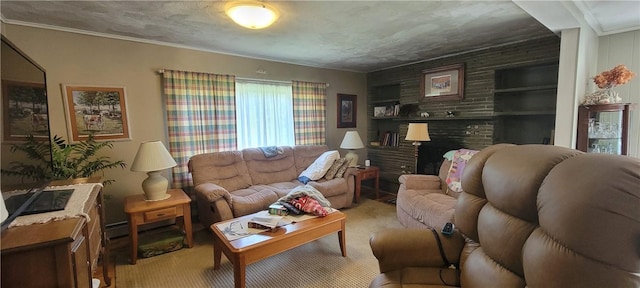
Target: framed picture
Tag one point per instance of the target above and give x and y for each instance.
(24, 108)
(347, 111)
(379, 111)
(443, 83)
(101, 111)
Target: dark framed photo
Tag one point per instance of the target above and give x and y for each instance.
(101, 111)
(347, 111)
(443, 83)
(24, 107)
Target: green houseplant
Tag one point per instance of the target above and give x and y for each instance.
(68, 161)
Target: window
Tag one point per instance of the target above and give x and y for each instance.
(264, 114)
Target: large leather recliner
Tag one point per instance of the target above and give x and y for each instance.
(529, 216)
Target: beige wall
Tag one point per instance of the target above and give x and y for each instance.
(71, 58)
(624, 48)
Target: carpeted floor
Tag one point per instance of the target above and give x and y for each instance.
(316, 264)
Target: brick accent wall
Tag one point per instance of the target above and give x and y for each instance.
(472, 126)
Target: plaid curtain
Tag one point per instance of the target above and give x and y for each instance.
(309, 112)
(200, 117)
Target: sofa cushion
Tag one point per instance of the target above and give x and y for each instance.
(319, 167)
(226, 169)
(255, 198)
(280, 188)
(432, 209)
(305, 155)
(263, 170)
(332, 187)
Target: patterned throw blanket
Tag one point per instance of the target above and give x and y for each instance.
(308, 199)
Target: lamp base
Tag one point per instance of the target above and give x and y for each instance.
(416, 155)
(155, 186)
(352, 158)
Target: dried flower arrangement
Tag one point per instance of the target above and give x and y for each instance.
(606, 80)
(619, 75)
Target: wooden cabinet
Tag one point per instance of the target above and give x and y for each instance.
(525, 104)
(604, 128)
(61, 253)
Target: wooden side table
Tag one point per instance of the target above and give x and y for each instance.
(139, 211)
(366, 173)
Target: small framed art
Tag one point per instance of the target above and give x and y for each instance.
(347, 111)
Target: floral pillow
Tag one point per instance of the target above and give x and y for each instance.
(460, 159)
(343, 169)
(331, 173)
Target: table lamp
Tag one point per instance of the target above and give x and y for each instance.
(352, 141)
(153, 157)
(417, 132)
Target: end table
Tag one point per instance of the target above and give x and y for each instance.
(368, 172)
(139, 211)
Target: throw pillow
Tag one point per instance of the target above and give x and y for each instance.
(460, 159)
(331, 173)
(318, 168)
(342, 169)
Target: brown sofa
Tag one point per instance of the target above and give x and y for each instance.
(426, 201)
(235, 183)
(529, 216)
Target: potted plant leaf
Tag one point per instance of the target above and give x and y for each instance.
(62, 161)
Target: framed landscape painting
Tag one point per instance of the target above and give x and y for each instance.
(347, 107)
(101, 111)
(24, 109)
(443, 83)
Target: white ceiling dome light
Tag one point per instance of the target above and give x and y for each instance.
(252, 14)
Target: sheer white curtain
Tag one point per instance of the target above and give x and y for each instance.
(264, 114)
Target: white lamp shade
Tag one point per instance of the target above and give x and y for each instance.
(252, 14)
(352, 140)
(418, 132)
(152, 156)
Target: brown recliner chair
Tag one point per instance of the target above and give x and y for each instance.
(529, 216)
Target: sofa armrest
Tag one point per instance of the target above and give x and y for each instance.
(213, 192)
(420, 182)
(399, 248)
(213, 203)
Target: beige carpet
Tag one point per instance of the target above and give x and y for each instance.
(316, 264)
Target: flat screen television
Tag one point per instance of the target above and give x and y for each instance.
(24, 99)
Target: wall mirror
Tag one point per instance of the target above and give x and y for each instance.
(24, 108)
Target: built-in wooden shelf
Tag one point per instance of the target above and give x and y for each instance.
(525, 113)
(425, 119)
(524, 89)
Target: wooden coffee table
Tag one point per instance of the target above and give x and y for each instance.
(253, 248)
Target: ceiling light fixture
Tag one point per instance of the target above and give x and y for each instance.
(252, 14)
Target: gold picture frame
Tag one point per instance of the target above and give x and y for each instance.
(97, 110)
(443, 83)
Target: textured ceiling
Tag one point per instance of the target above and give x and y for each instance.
(347, 35)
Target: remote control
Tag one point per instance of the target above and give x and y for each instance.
(447, 230)
(291, 208)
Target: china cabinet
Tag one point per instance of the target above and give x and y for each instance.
(604, 128)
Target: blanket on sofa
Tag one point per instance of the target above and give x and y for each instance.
(271, 151)
(306, 190)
